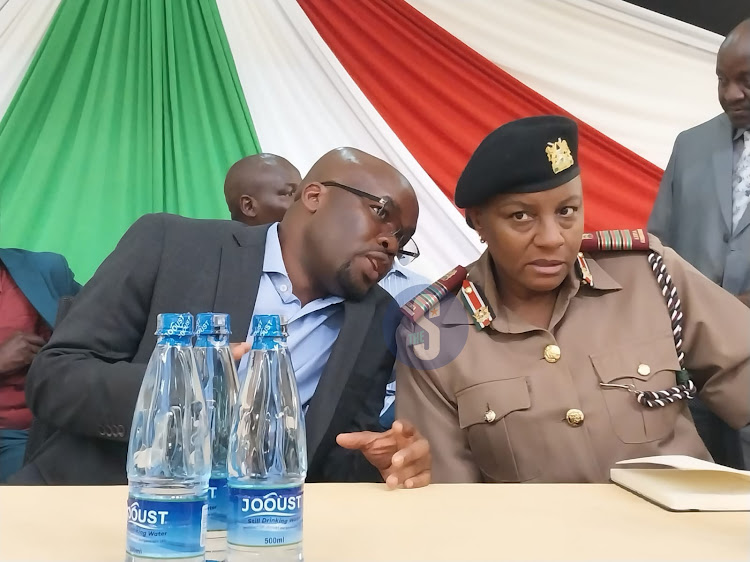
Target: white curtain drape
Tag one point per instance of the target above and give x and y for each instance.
(303, 103)
(23, 23)
(653, 22)
(636, 75)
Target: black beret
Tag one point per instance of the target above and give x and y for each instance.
(523, 156)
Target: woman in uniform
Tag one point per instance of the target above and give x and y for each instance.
(542, 363)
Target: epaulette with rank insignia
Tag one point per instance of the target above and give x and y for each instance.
(417, 307)
(610, 240)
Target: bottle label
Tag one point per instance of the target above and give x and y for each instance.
(166, 529)
(218, 502)
(262, 517)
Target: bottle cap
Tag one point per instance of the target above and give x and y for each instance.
(212, 323)
(267, 326)
(172, 324)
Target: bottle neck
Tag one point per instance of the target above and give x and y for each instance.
(172, 340)
(212, 340)
(268, 343)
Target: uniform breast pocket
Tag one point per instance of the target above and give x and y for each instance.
(504, 442)
(651, 365)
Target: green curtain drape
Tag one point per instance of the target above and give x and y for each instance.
(129, 107)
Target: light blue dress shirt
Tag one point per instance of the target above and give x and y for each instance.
(403, 285)
(312, 329)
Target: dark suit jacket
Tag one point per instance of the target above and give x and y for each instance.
(43, 277)
(85, 382)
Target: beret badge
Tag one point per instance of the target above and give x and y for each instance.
(558, 153)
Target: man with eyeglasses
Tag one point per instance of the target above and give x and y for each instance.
(402, 284)
(259, 190)
(318, 267)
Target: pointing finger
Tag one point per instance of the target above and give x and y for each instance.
(356, 440)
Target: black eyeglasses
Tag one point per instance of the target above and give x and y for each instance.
(384, 211)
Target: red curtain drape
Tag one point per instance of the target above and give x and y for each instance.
(441, 98)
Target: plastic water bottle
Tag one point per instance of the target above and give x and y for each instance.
(218, 376)
(169, 457)
(267, 461)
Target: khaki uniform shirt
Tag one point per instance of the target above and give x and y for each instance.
(616, 332)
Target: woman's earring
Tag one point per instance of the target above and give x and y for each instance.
(481, 240)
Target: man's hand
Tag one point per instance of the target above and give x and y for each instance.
(401, 454)
(239, 349)
(18, 351)
(744, 299)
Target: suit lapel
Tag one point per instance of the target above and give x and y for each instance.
(357, 318)
(722, 162)
(240, 269)
(33, 285)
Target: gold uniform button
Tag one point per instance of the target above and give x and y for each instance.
(644, 370)
(574, 417)
(489, 416)
(551, 353)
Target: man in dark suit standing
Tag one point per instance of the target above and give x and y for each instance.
(31, 284)
(702, 210)
(321, 263)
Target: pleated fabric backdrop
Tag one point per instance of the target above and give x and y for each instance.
(117, 108)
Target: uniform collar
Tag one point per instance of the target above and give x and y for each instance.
(505, 321)
(603, 281)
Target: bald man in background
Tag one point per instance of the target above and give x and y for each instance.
(260, 188)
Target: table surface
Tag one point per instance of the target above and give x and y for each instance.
(440, 522)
